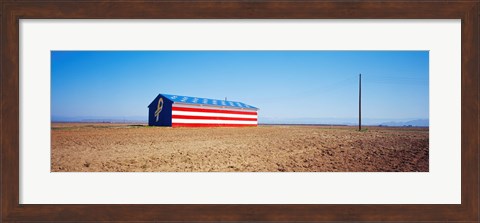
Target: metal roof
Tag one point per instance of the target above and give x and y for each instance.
(207, 101)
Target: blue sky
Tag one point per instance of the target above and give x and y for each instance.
(283, 84)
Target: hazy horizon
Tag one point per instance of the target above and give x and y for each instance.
(261, 120)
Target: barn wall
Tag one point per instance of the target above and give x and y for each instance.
(206, 116)
(165, 118)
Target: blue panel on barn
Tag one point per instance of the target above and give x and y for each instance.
(206, 101)
(160, 112)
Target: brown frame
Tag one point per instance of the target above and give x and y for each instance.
(12, 11)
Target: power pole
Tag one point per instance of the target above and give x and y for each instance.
(360, 102)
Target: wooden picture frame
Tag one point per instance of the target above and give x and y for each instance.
(12, 11)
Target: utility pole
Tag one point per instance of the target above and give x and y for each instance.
(360, 102)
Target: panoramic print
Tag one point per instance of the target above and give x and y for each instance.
(240, 111)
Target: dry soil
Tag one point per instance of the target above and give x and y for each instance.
(99, 147)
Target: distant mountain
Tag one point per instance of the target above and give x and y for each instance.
(261, 120)
(344, 121)
(418, 122)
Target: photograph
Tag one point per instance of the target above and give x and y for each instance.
(239, 111)
(246, 111)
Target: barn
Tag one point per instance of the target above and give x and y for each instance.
(185, 111)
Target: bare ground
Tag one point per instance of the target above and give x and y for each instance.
(82, 147)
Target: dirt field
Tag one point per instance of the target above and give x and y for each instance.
(82, 147)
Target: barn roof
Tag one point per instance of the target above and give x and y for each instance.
(206, 101)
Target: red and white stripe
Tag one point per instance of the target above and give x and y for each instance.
(203, 116)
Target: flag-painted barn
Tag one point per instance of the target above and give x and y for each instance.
(185, 111)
